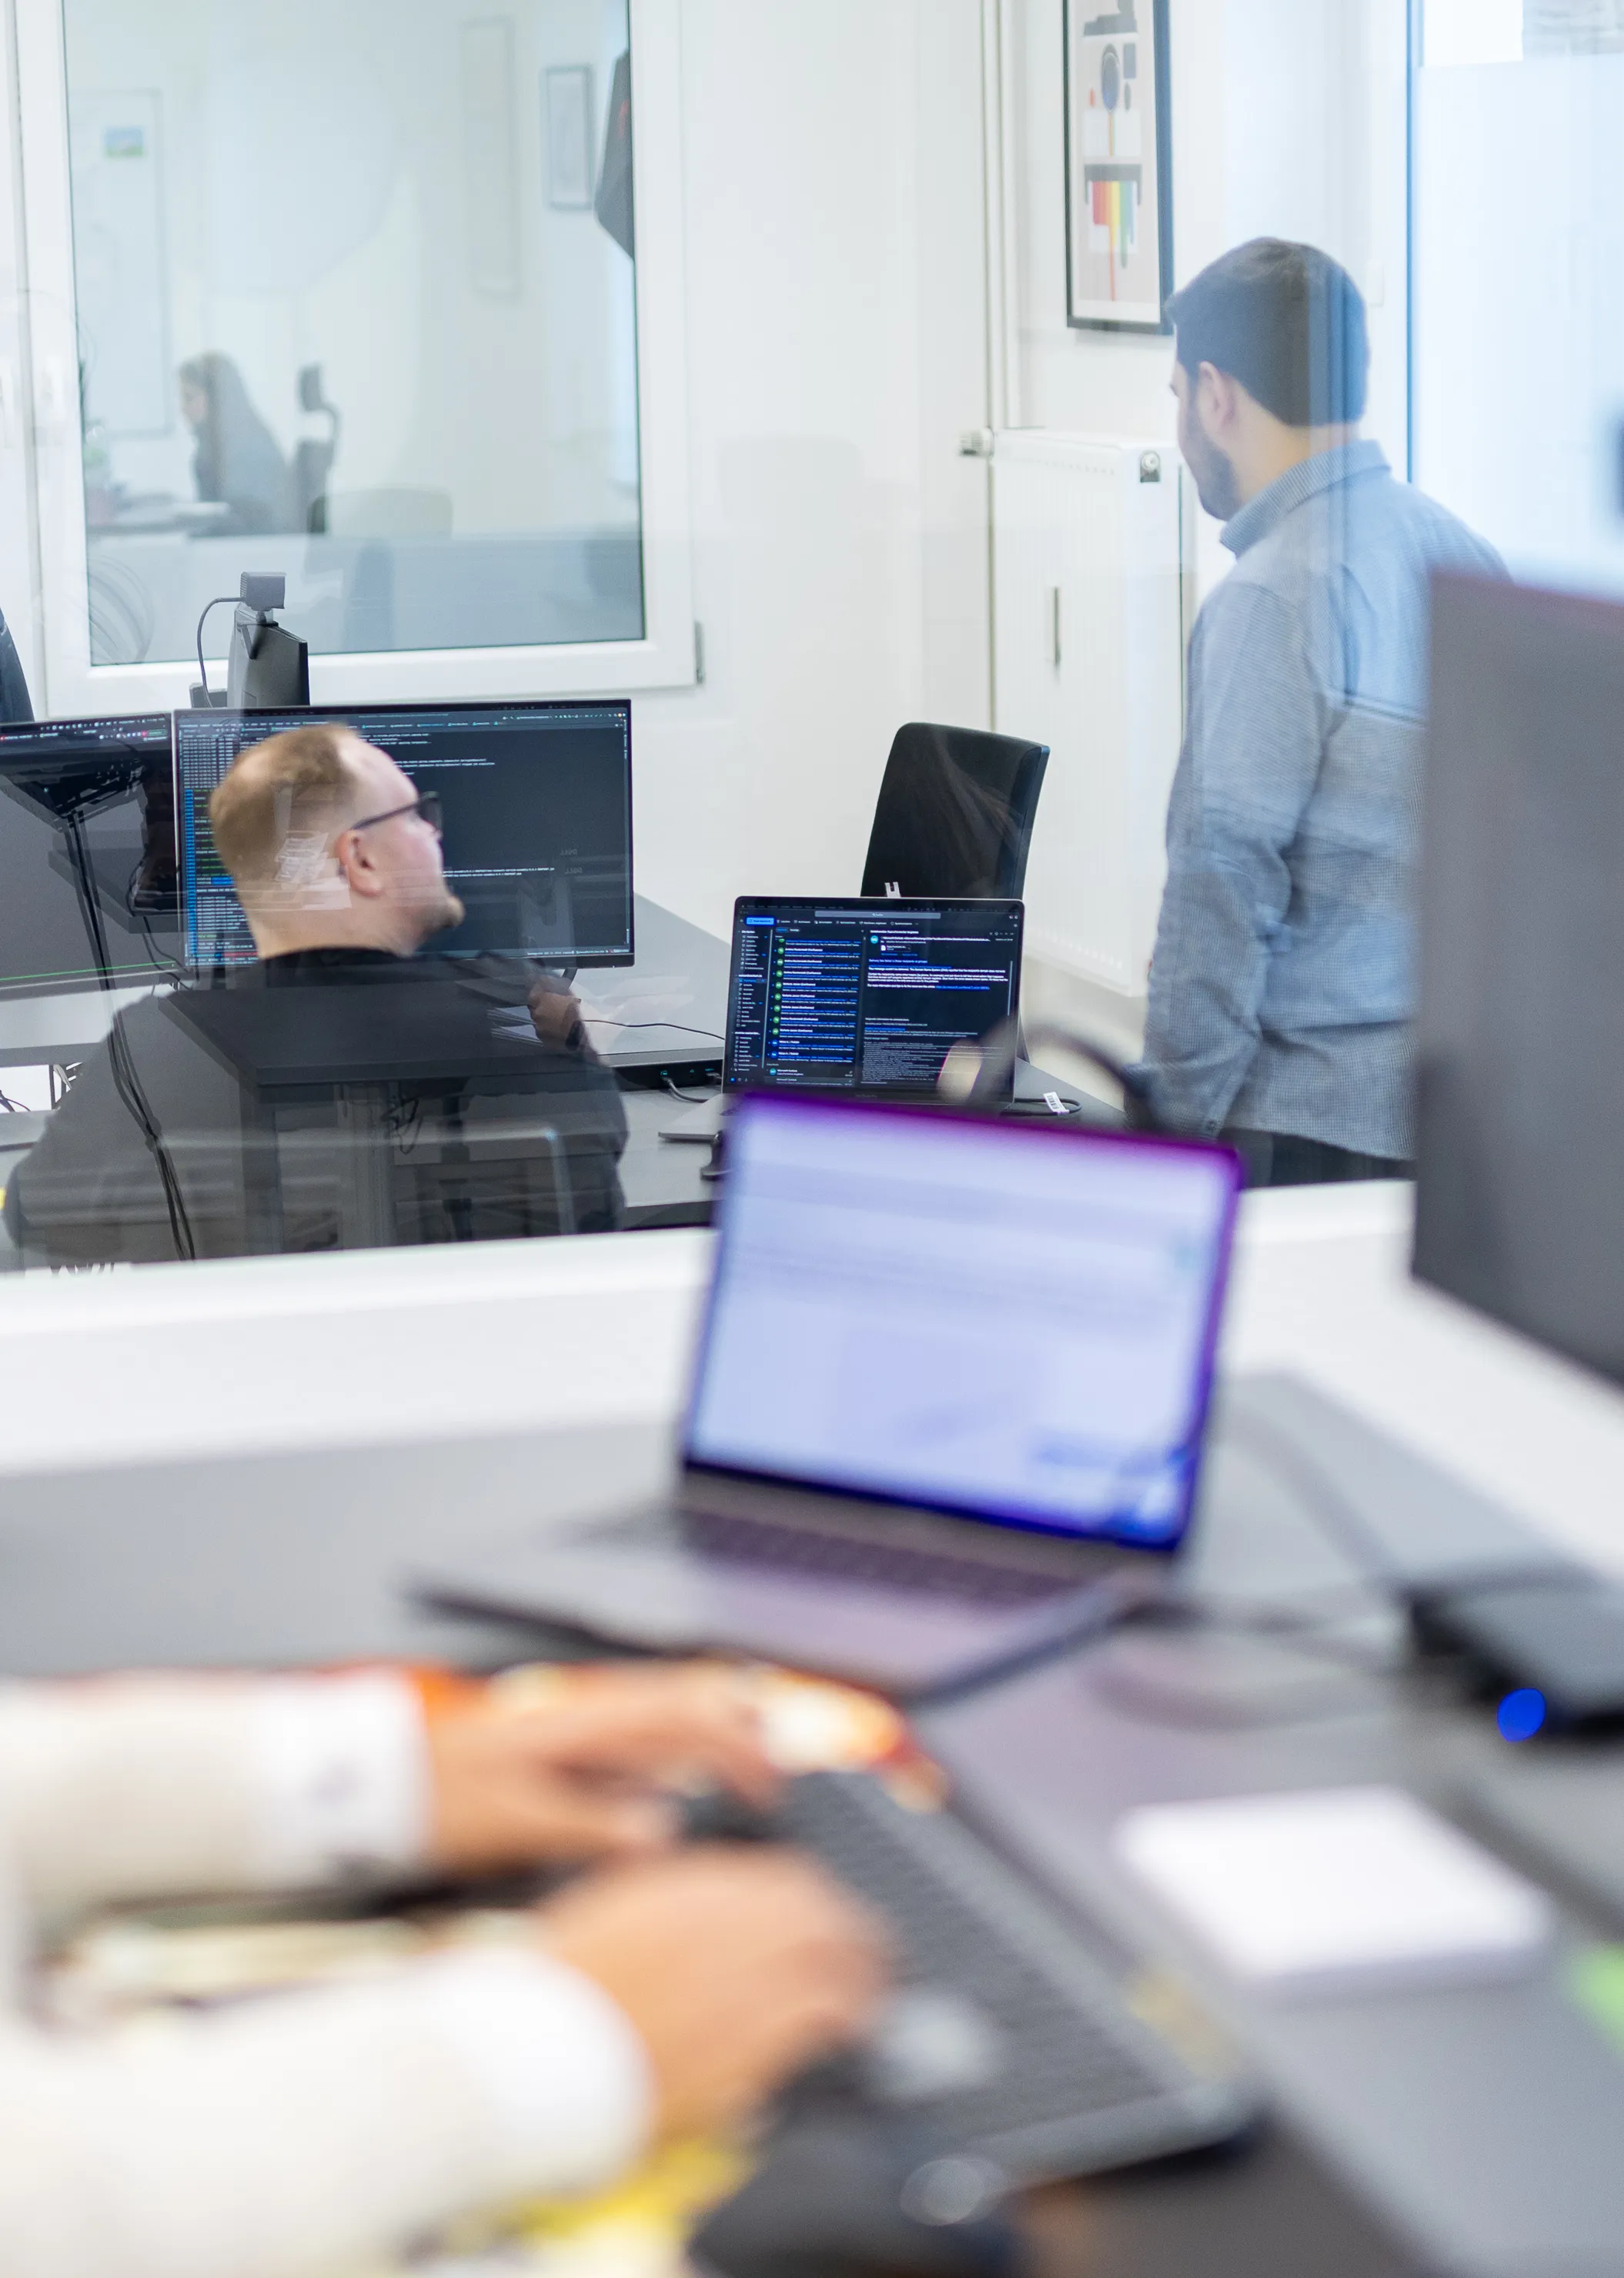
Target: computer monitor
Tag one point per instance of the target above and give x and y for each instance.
(1519, 1201)
(536, 800)
(864, 996)
(87, 880)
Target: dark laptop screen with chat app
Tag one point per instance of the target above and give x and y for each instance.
(1002, 1320)
(861, 995)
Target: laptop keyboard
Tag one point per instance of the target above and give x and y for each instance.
(887, 1566)
(1003, 2033)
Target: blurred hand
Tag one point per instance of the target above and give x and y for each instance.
(555, 1012)
(589, 1773)
(738, 1967)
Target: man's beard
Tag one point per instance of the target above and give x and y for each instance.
(443, 914)
(1214, 475)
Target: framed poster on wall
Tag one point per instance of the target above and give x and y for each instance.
(1119, 186)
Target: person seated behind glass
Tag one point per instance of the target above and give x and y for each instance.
(238, 462)
(346, 1090)
(661, 1994)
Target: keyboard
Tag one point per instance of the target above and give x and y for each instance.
(878, 1565)
(1004, 2034)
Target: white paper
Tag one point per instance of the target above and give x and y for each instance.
(1335, 1891)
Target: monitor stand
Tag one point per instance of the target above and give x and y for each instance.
(268, 668)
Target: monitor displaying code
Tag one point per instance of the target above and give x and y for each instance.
(536, 800)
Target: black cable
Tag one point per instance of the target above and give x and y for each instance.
(167, 968)
(607, 1020)
(688, 1099)
(1340, 1519)
(1375, 1576)
(170, 967)
(126, 1082)
(219, 602)
(1307, 1622)
(994, 1063)
(1321, 1635)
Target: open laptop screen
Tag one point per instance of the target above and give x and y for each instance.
(1004, 1319)
(865, 996)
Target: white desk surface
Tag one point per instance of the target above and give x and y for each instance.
(166, 1361)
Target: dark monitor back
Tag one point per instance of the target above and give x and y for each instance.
(536, 800)
(1519, 1205)
(102, 790)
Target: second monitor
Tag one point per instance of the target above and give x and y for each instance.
(87, 896)
(537, 801)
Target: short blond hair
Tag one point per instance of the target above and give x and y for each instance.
(298, 784)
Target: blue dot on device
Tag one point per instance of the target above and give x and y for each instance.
(1520, 1713)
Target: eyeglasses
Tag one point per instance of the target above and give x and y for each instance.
(427, 804)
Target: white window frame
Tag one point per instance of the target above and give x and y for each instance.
(36, 113)
(19, 562)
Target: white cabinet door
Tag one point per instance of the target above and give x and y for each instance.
(1088, 600)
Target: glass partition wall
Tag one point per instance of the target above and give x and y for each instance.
(386, 298)
(357, 301)
(385, 326)
(1518, 226)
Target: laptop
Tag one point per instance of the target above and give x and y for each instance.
(865, 998)
(948, 1407)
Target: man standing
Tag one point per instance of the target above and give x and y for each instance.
(1280, 992)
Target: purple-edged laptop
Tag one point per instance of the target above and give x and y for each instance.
(948, 1407)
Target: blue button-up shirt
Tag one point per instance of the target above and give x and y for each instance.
(1280, 994)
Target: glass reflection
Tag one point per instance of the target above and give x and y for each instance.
(349, 1088)
(357, 285)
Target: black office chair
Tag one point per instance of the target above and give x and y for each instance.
(954, 813)
(313, 455)
(15, 701)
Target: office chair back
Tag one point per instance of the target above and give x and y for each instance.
(954, 813)
(311, 468)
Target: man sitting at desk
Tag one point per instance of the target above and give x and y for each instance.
(346, 1090)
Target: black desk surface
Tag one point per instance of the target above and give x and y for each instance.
(1475, 2131)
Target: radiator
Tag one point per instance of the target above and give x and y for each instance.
(1089, 625)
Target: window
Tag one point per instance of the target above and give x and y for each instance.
(1518, 191)
(358, 293)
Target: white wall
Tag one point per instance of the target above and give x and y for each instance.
(1288, 120)
(835, 341)
(1519, 338)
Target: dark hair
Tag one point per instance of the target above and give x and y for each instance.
(1287, 321)
(238, 460)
